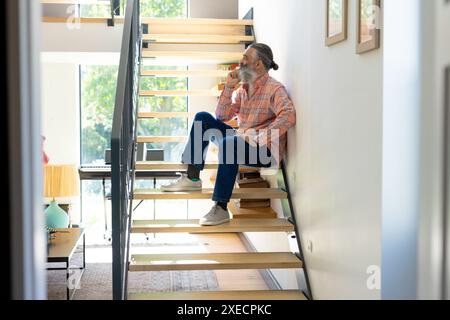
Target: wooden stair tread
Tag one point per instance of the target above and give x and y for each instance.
(164, 165)
(192, 226)
(196, 21)
(197, 38)
(162, 115)
(185, 73)
(221, 295)
(160, 139)
(251, 213)
(180, 93)
(238, 193)
(176, 166)
(232, 57)
(214, 261)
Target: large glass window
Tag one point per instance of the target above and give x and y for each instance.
(102, 10)
(160, 104)
(164, 8)
(98, 90)
(149, 8)
(97, 96)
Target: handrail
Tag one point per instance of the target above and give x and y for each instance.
(123, 146)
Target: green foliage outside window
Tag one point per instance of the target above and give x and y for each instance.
(164, 8)
(335, 8)
(164, 126)
(98, 90)
(149, 8)
(167, 126)
(367, 9)
(95, 11)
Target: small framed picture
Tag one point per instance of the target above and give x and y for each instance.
(368, 25)
(336, 21)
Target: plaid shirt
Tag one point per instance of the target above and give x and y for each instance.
(268, 113)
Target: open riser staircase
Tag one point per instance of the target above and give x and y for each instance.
(185, 40)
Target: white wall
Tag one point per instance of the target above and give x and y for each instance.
(213, 9)
(61, 122)
(87, 37)
(60, 117)
(95, 37)
(334, 158)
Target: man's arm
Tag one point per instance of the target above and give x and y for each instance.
(229, 102)
(229, 105)
(284, 110)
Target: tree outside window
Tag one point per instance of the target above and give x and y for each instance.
(97, 98)
(149, 8)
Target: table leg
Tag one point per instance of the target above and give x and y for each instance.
(104, 206)
(84, 251)
(67, 281)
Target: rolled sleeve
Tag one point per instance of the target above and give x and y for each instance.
(284, 110)
(228, 105)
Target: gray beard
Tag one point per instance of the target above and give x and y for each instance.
(246, 75)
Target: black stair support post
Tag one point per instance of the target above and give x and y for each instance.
(145, 31)
(115, 11)
(288, 210)
(249, 30)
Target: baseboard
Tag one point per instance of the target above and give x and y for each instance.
(266, 274)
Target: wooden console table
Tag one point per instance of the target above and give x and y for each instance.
(61, 249)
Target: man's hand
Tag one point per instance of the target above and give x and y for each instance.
(233, 79)
(249, 139)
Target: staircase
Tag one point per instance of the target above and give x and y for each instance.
(183, 39)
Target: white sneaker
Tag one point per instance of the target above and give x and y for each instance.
(183, 184)
(216, 216)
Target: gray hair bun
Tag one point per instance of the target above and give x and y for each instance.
(265, 54)
(274, 66)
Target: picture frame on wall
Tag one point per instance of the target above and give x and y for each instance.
(368, 25)
(336, 25)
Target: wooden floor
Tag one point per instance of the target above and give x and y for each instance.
(213, 243)
(233, 279)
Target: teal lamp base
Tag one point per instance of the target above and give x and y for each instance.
(56, 217)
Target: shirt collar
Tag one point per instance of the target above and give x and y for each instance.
(261, 80)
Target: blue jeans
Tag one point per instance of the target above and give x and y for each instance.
(233, 151)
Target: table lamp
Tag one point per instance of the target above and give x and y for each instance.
(60, 181)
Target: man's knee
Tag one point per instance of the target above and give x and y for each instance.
(228, 140)
(202, 116)
(227, 150)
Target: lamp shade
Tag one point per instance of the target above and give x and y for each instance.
(61, 181)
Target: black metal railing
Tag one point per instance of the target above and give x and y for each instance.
(115, 11)
(288, 212)
(123, 146)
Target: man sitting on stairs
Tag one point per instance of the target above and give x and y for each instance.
(265, 113)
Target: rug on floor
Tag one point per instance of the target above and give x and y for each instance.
(96, 283)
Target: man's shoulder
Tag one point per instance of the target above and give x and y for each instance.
(274, 84)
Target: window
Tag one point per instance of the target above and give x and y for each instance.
(97, 97)
(149, 8)
(164, 126)
(164, 8)
(95, 10)
(100, 9)
(98, 88)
